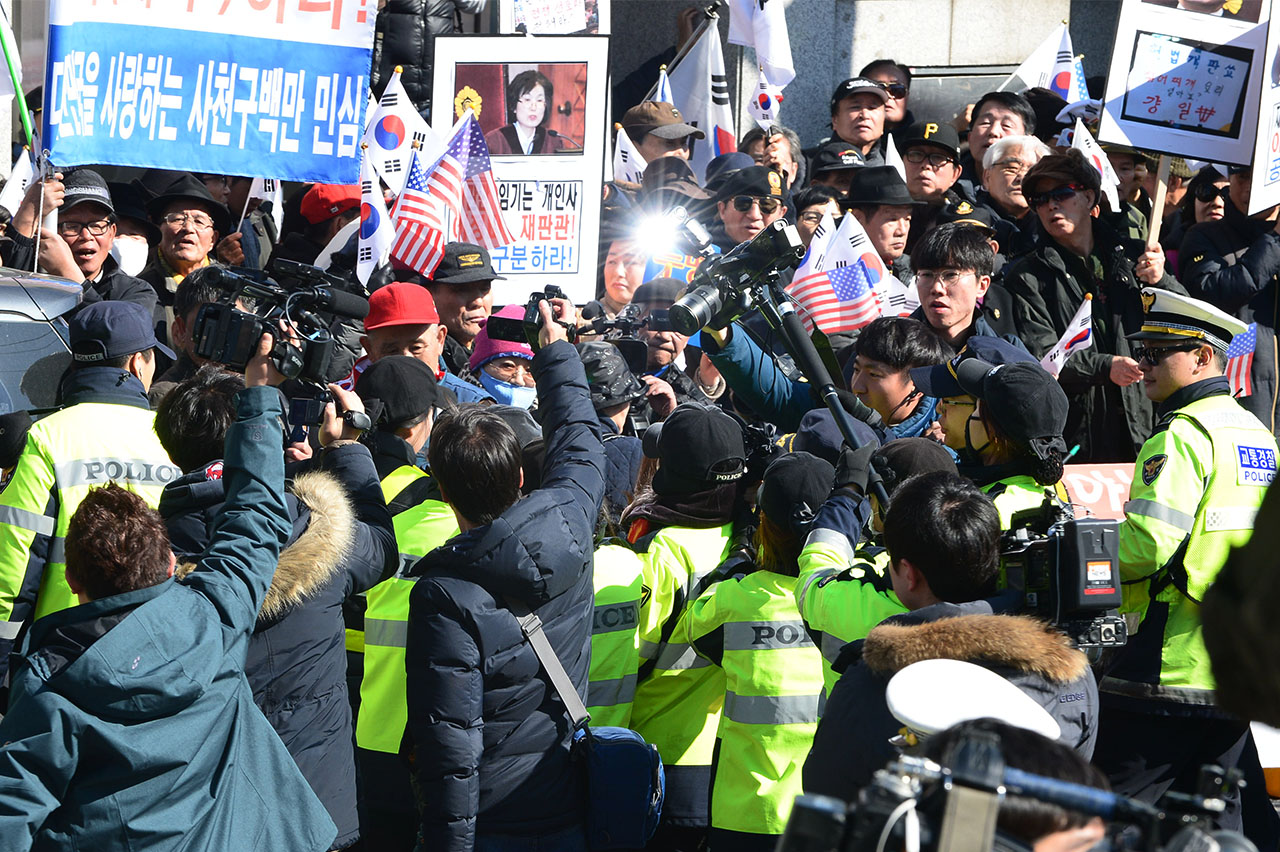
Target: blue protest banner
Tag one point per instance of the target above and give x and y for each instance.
(238, 87)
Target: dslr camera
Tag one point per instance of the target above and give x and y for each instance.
(309, 298)
(1067, 572)
(525, 329)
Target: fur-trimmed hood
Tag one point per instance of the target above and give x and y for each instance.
(1010, 641)
(311, 559)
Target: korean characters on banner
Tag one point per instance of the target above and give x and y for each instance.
(554, 17)
(1265, 189)
(231, 86)
(1187, 81)
(540, 103)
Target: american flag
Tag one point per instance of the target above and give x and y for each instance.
(479, 218)
(835, 285)
(1240, 360)
(420, 236)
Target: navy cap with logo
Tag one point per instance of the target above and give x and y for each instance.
(938, 134)
(940, 380)
(794, 488)
(699, 448)
(397, 389)
(86, 185)
(106, 330)
(758, 181)
(465, 263)
(837, 156)
(965, 213)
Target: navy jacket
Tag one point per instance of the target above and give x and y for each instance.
(131, 724)
(341, 544)
(490, 736)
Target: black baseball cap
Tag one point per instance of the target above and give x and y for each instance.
(939, 134)
(878, 185)
(609, 379)
(110, 329)
(836, 156)
(397, 389)
(1022, 398)
(940, 380)
(853, 86)
(465, 263)
(795, 486)
(903, 458)
(699, 447)
(86, 185)
(759, 181)
(965, 213)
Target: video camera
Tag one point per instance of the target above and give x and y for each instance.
(727, 286)
(305, 296)
(1067, 571)
(525, 329)
(916, 803)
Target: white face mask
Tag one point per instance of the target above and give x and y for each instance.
(130, 253)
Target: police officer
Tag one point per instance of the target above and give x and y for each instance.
(618, 577)
(401, 393)
(748, 625)
(105, 433)
(1198, 482)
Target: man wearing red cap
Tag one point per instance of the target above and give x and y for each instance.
(327, 208)
(403, 320)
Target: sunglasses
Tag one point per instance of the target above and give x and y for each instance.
(768, 206)
(1061, 194)
(1151, 356)
(897, 91)
(1206, 192)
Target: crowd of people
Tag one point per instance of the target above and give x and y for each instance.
(227, 624)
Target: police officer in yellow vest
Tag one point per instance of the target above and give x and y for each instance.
(401, 394)
(749, 626)
(1197, 485)
(105, 433)
(618, 577)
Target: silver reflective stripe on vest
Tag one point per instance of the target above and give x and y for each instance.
(1230, 518)
(832, 538)
(759, 635)
(30, 521)
(678, 656)
(1212, 420)
(407, 561)
(831, 647)
(9, 629)
(58, 549)
(384, 632)
(615, 617)
(648, 650)
(815, 577)
(771, 709)
(100, 471)
(1161, 512)
(610, 693)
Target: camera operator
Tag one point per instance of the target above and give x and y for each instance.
(943, 535)
(103, 433)
(195, 291)
(613, 391)
(490, 739)
(342, 543)
(131, 716)
(844, 590)
(683, 531)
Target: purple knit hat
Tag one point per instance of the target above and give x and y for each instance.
(485, 348)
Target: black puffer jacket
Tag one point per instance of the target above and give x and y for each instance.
(1031, 655)
(342, 544)
(406, 32)
(490, 736)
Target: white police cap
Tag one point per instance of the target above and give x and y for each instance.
(1171, 317)
(932, 695)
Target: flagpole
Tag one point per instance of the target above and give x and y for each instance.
(711, 15)
(10, 57)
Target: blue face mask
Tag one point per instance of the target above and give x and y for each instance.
(507, 393)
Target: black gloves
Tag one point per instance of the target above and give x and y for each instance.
(854, 470)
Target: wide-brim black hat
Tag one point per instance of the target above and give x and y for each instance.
(131, 203)
(877, 185)
(187, 187)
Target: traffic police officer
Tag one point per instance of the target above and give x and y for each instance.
(105, 433)
(1198, 482)
(400, 392)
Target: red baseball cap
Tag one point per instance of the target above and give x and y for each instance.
(401, 303)
(326, 200)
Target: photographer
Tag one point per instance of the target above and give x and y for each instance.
(942, 534)
(490, 740)
(341, 544)
(130, 714)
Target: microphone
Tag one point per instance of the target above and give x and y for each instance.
(339, 302)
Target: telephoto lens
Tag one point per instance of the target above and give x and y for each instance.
(695, 309)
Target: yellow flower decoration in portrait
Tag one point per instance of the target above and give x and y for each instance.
(467, 97)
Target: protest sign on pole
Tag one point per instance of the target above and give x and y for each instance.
(550, 196)
(1186, 83)
(255, 88)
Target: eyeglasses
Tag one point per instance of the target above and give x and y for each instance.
(768, 206)
(897, 91)
(1206, 192)
(813, 217)
(508, 368)
(935, 161)
(948, 277)
(195, 221)
(1059, 195)
(958, 403)
(1153, 356)
(71, 230)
